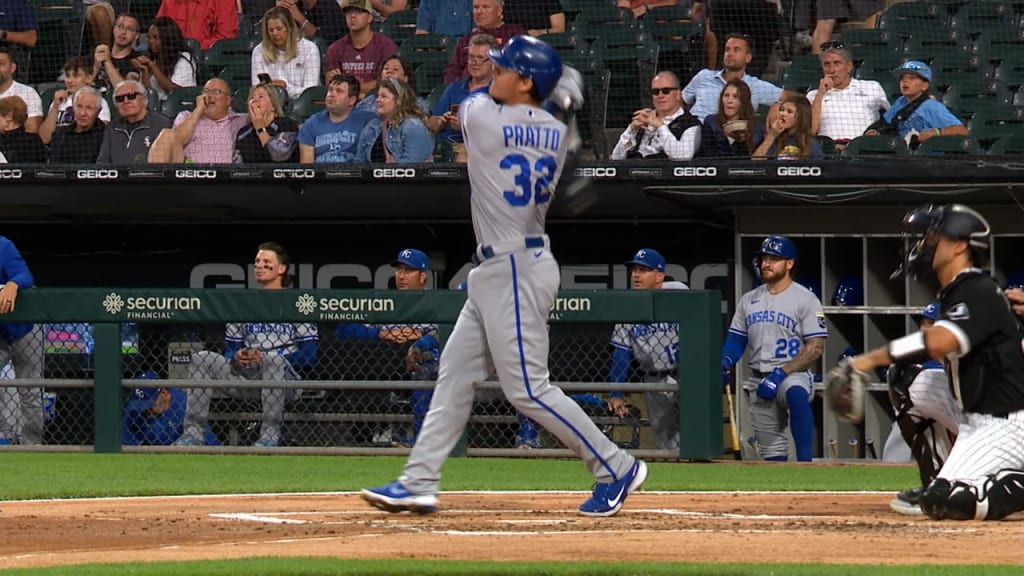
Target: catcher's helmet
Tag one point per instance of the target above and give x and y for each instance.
(778, 246)
(849, 292)
(533, 59)
(954, 221)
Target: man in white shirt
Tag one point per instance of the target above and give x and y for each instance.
(665, 131)
(8, 87)
(843, 107)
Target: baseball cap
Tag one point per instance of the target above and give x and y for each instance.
(914, 67)
(363, 5)
(413, 259)
(650, 258)
(930, 311)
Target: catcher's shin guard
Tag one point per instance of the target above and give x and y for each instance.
(929, 443)
(999, 496)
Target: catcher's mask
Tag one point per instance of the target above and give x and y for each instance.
(926, 224)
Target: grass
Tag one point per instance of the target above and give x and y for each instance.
(96, 475)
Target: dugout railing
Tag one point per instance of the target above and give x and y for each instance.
(117, 316)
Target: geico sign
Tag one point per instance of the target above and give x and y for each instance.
(96, 174)
(695, 171)
(394, 172)
(596, 172)
(195, 173)
(294, 173)
(798, 171)
(10, 174)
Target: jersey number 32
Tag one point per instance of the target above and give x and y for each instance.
(530, 183)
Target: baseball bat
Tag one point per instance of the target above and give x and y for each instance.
(833, 447)
(752, 440)
(869, 443)
(733, 428)
(853, 442)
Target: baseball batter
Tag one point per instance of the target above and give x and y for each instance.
(655, 347)
(981, 343)
(253, 352)
(516, 152)
(21, 409)
(782, 326)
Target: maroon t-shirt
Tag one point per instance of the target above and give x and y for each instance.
(456, 68)
(361, 63)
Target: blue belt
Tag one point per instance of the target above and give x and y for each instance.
(530, 242)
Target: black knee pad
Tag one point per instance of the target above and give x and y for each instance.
(944, 500)
(934, 497)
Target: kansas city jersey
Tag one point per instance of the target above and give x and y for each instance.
(516, 154)
(776, 326)
(655, 346)
(278, 338)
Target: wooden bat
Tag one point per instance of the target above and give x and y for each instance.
(833, 447)
(853, 442)
(733, 428)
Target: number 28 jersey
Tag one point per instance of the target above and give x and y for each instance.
(515, 157)
(777, 325)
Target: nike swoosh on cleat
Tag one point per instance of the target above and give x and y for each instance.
(614, 502)
(538, 253)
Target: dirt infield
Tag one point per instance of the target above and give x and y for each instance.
(692, 527)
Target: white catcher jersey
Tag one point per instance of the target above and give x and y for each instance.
(516, 154)
(278, 338)
(776, 326)
(655, 346)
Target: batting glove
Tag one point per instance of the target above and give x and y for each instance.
(568, 93)
(769, 385)
(726, 371)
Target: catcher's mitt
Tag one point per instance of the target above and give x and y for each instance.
(844, 391)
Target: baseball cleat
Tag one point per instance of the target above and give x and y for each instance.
(187, 439)
(395, 498)
(908, 502)
(608, 497)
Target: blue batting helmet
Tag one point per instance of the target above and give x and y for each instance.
(812, 284)
(533, 59)
(849, 292)
(778, 246)
(930, 311)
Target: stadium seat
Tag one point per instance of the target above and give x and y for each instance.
(877, 68)
(679, 13)
(971, 95)
(929, 45)
(400, 25)
(181, 99)
(681, 46)
(46, 92)
(865, 43)
(800, 80)
(427, 54)
(1008, 145)
(632, 62)
(1010, 70)
(875, 146)
(992, 46)
(562, 42)
(237, 75)
(974, 18)
(597, 22)
(906, 18)
(828, 146)
(308, 103)
(987, 131)
(240, 100)
(228, 52)
(945, 145)
(146, 11)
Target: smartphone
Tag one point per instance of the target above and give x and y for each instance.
(264, 78)
(455, 109)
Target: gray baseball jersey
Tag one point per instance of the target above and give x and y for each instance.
(655, 346)
(777, 325)
(280, 338)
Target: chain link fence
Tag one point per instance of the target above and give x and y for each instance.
(361, 391)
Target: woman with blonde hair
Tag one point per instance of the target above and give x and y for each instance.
(284, 55)
(788, 136)
(399, 133)
(270, 135)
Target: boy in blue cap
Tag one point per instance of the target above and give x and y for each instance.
(915, 115)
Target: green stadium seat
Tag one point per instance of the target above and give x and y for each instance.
(46, 92)
(237, 75)
(928, 45)
(308, 103)
(948, 145)
(679, 14)
(994, 46)
(906, 18)
(228, 52)
(1010, 70)
(975, 18)
(240, 100)
(595, 22)
(400, 25)
(436, 44)
(1008, 145)
(865, 43)
(828, 146)
(632, 62)
(427, 54)
(800, 80)
(562, 42)
(875, 146)
(877, 68)
(986, 130)
(183, 98)
(971, 95)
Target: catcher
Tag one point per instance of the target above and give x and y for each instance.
(981, 343)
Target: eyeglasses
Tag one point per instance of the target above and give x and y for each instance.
(663, 91)
(832, 46)
(214, 92)
(120, 98)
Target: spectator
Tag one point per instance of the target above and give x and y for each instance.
(411, 273)
(445, 17)
(156, 416)
(399, 132)
(18, 24)
(169, 64)
(392, 67)
(755, 20)
(732, 130)
(538, 17)
(80, 141)
(444, 119)
(789, 136)
(126, 140)
(205, 21)
(488, 17)
(19, 146)
(114, 64)
(640, 8)
(703, 91)
(361, 51)
(8, 87)
(323, 18)
(384, 8)
(21, 409)
(78, 73)
(843, 107)
(916, 115)
(332, 134)
(276, 352)
(666, 131)
(291, 61)
(205, 135)
(270, 135)
(828, 11)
